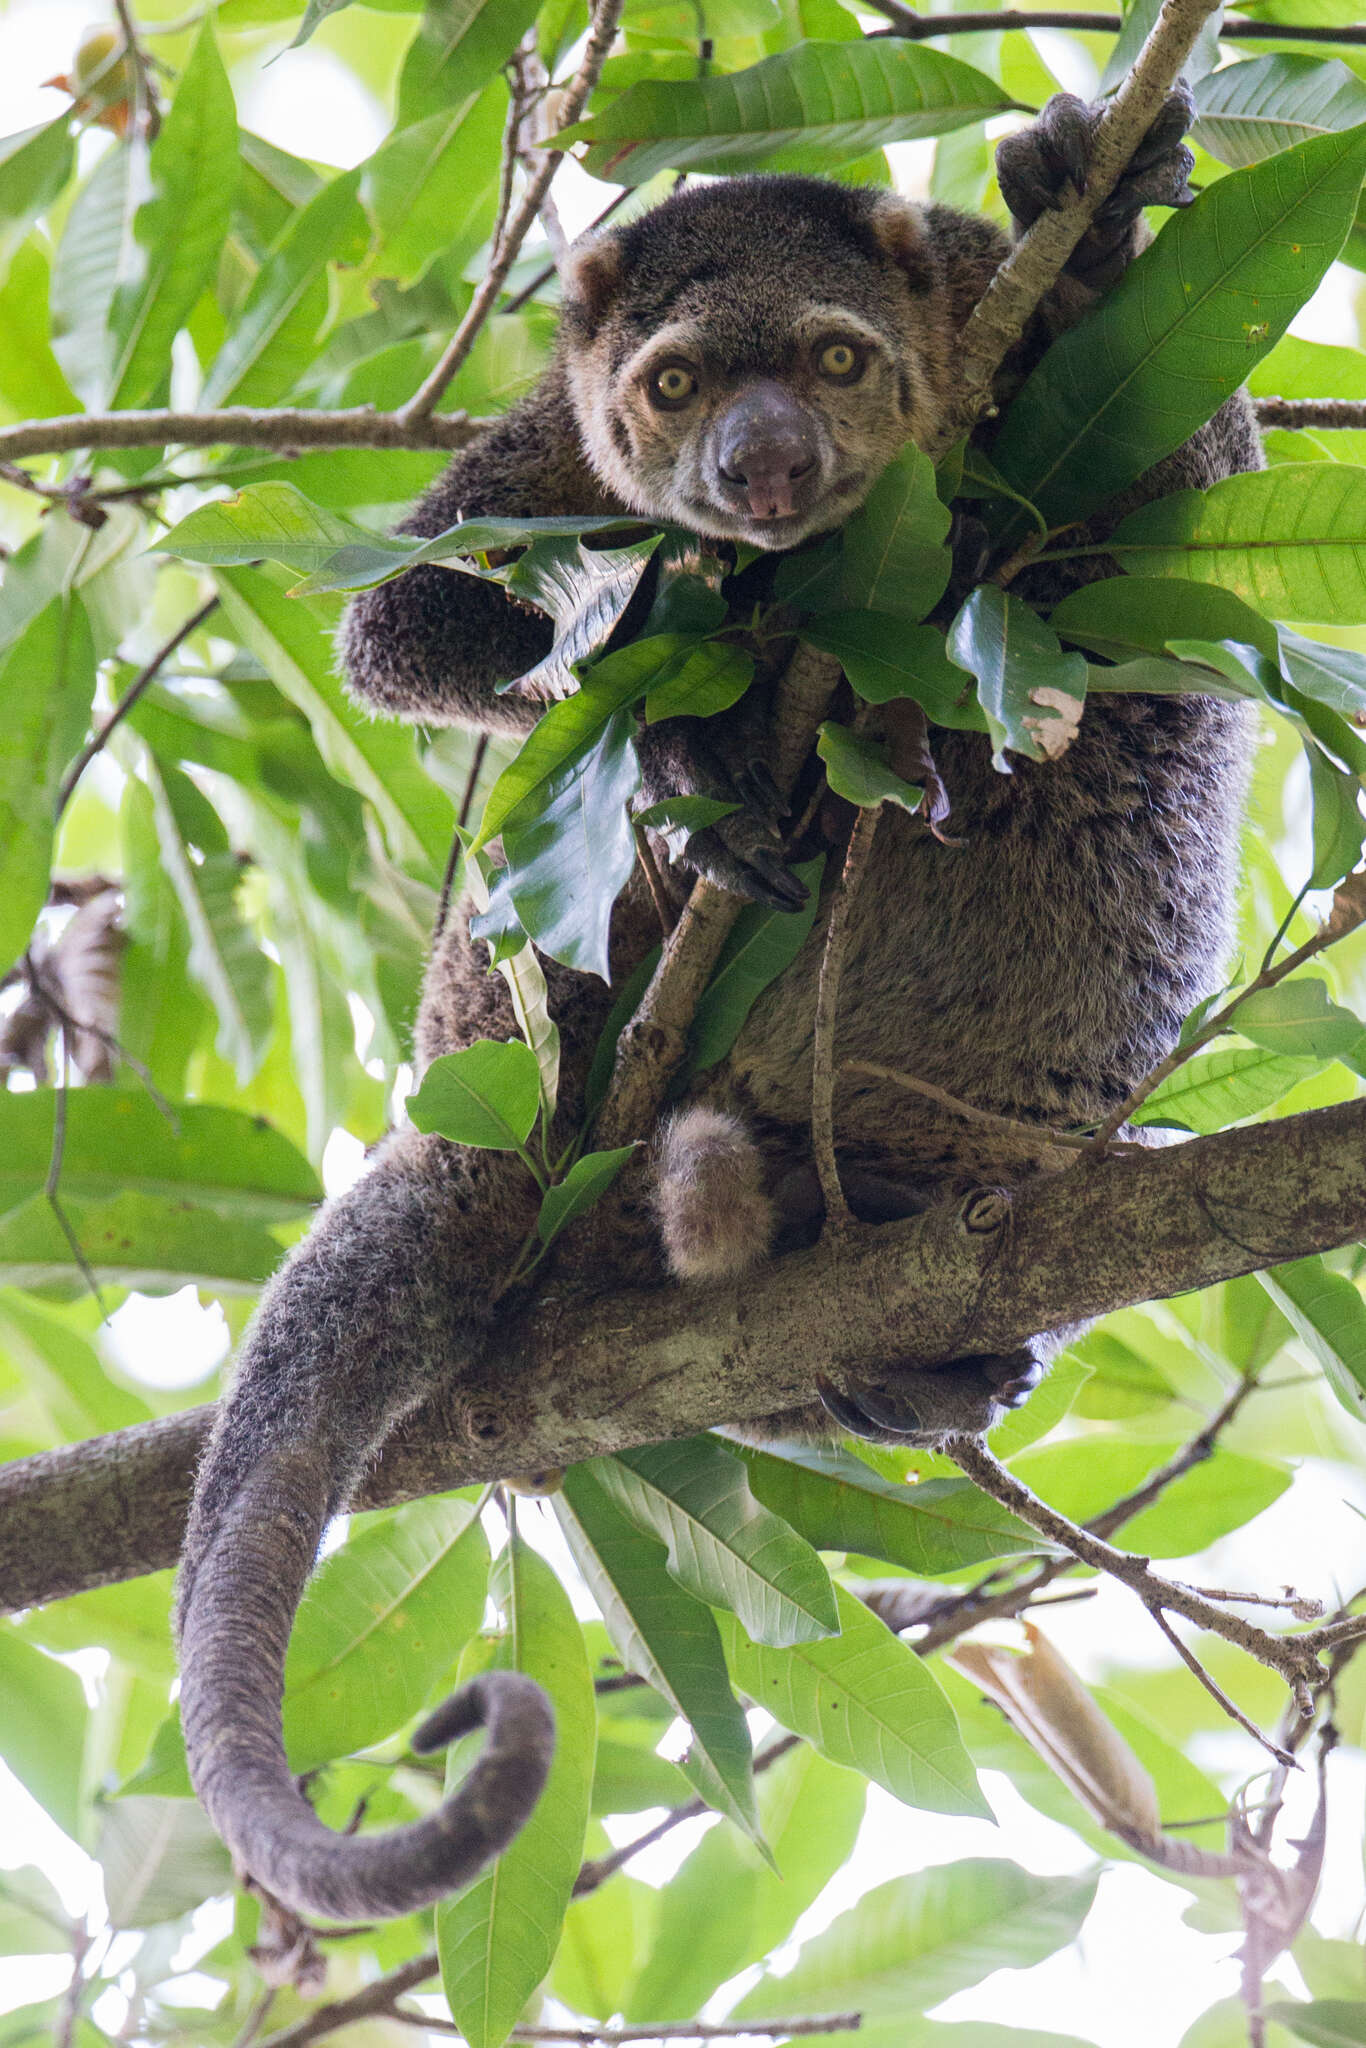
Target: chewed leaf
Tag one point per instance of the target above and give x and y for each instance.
(1031, 691)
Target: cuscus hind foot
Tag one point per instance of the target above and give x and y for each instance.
(742, 852)
(966, 1397)
(1038, 168)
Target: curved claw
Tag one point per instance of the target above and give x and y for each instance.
(845, 1410)
(744, 864)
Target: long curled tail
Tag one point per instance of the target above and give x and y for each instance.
(359, 1325)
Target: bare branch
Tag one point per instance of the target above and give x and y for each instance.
(856, 858)
(239, 426)
(573, 1378)
(1297, 413)
(917, 27)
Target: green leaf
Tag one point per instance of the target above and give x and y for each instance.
(292, 643)
(385, 1616)
(1297, 368)
(155, 1243)
(1249, 111)
(560, 737)
(1329, 1314)
(586, 1182)
(64, 1375)
(866, 1700)
(725, 1909)
(117, 1140)
(486, 1095)
(860, 769)
(1032, 693)
(1299, 1017)
(684, 814)
(1122, 613)
(273, 520)
(526, 983)
(1332, 676)
(1083, 1479)
(1289, 540)
(97, 257)
(180, 228)
(224, 956)
(837, 1503)
(762, 944)
(160, 1858)
(811, 108)
(570, 857)
(1216, 1089)
(47, 679)
(885, 659)
(498, 1939)
(628, 1778)
(33, 1920)
(893, 552)
(35, 166)
(1180, 330)
(915, 1941)
(584, 591)
(363, 563)
(1326, 2023)
(710, 680)
(43, 1737)
(273, 339)
(459, 45)
(722, 1545)
(664, 1636)
(434, 184)
(1339, 826)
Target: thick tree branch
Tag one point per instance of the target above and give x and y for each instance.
(570, 1378)
(238, 426)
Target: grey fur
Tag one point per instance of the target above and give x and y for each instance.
(1038, 969)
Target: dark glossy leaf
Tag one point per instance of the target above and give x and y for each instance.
(571, 854)
(584, 591)
(860, 769)
(713, 677)
(762, 944)
(1180, 330)
(893, 552)
(1123, 613)
(1031, 691)
(810, 109)
(722, 1545)
(487, 1095)
(886, 659)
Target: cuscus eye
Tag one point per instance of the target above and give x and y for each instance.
(842, 361)
(672, 386)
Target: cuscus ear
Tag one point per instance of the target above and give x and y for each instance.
(591, 277)
(898, 228)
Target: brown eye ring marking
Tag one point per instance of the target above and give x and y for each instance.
(672, 385)
(841, 360)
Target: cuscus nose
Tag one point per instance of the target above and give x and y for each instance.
(765, 444)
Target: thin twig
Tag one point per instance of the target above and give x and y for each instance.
(515, 230)
(1216, 1691)
(1040, 1136)
(1311, 412)
(600, 1868)
(146, 677)
(917, 27)
(146, 111)
(544, 275)
(857, 855)
(689, 2030)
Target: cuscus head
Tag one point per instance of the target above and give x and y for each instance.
(748, 357)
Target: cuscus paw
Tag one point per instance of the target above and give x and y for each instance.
(744, 851)
(964, 1398)
(1038, 167)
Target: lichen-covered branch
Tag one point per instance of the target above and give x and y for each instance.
(569, 1379)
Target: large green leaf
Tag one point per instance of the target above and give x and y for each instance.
(487, 1094)
(97, 257)
(498, 1939)
(43, 1737)
(723, 1546)
(1220, 1088)
(1325, 2023)
(117, 1140)
(1329, 1314)
(273, 339)
(911, 1943)
(47, 679)
(885, 658)
(1122, 613)
(864, 1699)
(34, 168)
(459, 45)
(571, 854)
(893, 554)
(384, 1617)
(158, 1243)
(273, 520)
(62, 1372)
(1180, 330)
(1249, 111)
(665, 1637)
(1290, 541)
(434, 184)
(1227, 1490)
(1299, 1017)
(810, 109)
(726, 1909)
(584, 591)
(837, 1503)
(859, 768)
(160, 1859)
(180, 227)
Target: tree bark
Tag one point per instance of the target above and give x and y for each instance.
(570, 1379)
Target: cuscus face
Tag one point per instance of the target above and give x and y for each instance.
(748, 357)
